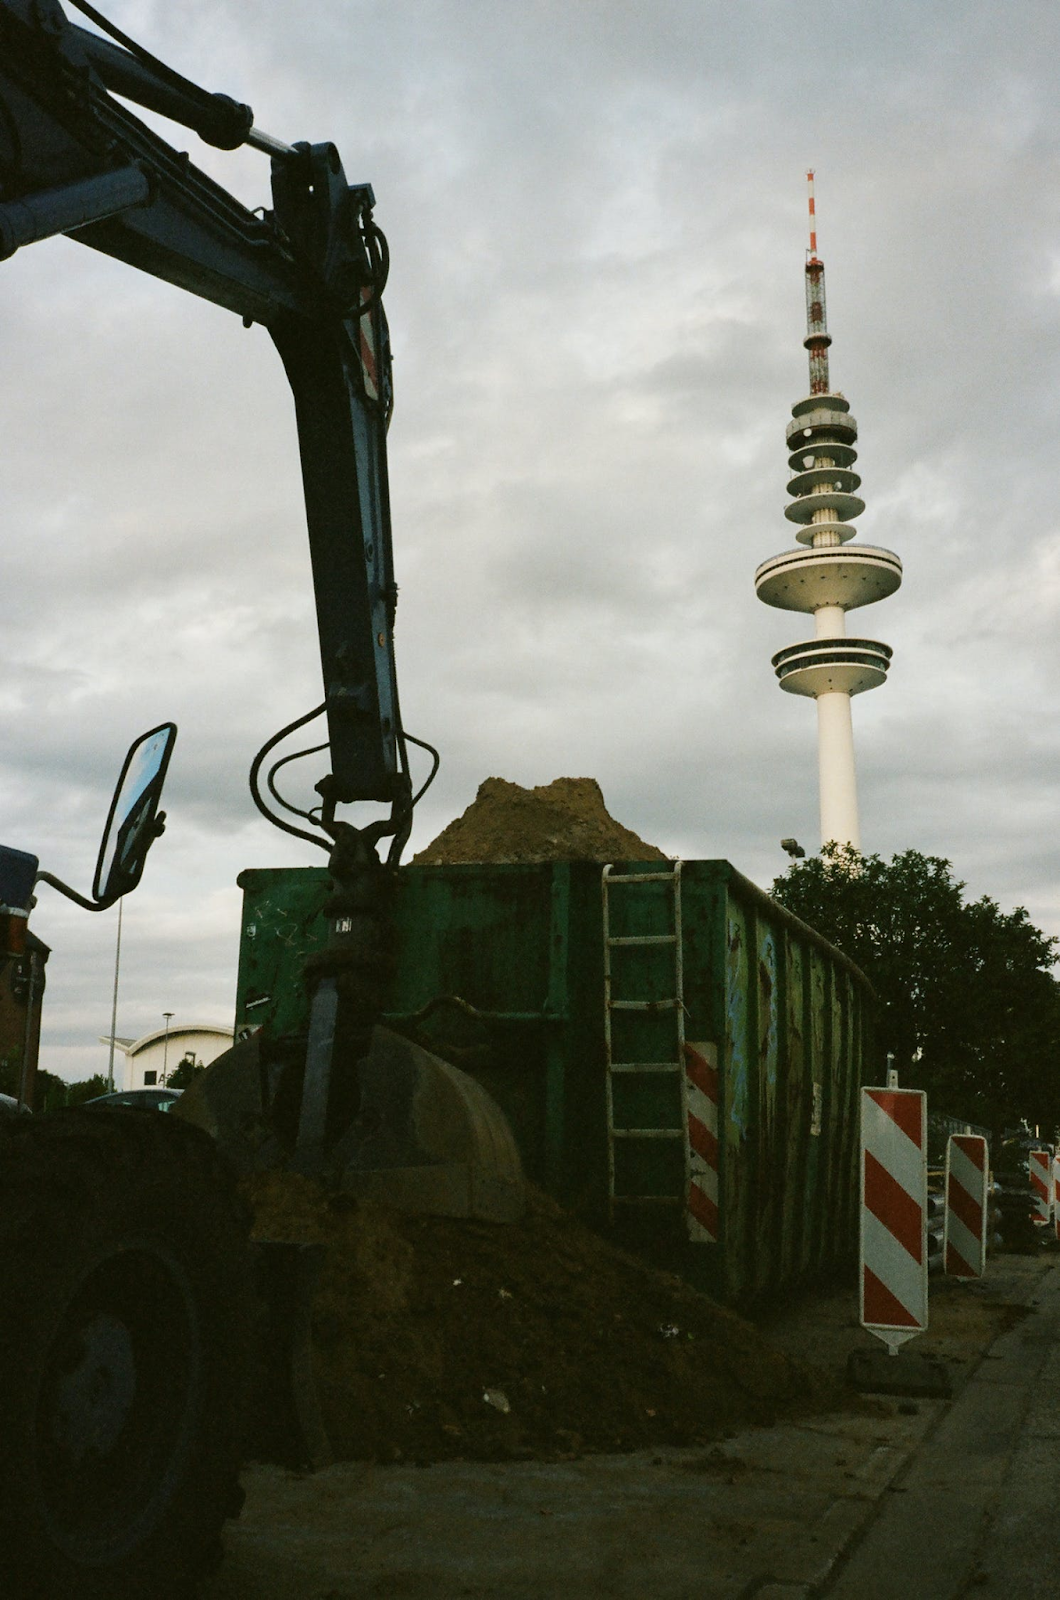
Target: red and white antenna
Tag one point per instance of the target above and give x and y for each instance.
(813, 218)
(817, 338)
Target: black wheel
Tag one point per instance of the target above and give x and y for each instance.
(124, 1328)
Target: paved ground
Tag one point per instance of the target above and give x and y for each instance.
(920, 1501)
(983, 1492)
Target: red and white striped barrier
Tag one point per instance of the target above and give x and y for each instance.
(366, 331)
(1056, 1193)
(894, 1269)
(964, 1237)
(1041, 1176)
(701, 1098)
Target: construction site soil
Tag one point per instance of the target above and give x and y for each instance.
(436, 1338)
(565, 820)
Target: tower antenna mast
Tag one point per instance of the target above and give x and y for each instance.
(828, 576)
(817, 336)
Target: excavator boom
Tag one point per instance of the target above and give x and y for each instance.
(74, 161)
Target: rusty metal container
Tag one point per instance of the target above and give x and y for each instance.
(503, 971)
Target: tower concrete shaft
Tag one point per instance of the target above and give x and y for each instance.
(827, 577)
(835, 769)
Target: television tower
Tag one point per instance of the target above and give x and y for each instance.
(828, 576)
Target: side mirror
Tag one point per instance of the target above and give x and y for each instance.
(133, 823)
(134, 820)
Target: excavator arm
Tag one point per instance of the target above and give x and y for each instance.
(75, 161)
(352, 1100)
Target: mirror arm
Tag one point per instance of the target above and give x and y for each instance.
(72, 894)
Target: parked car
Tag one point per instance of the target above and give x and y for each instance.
(144, 1099)
(10, 1107)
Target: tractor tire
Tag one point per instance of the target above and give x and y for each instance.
(125, 1315)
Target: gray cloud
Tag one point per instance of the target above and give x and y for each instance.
(597, 226)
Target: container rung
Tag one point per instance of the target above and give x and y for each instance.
(646, 1066)
(644, 1005)
(648, 1199)
(641, 877)
(648, 1133)
(645, 938)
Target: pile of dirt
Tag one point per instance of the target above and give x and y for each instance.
(436, 1338)
(565, 820)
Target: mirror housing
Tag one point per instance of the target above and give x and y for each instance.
(134, 820)
(18, 874)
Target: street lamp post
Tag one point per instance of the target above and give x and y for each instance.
(114, 1004)
(165, 1048)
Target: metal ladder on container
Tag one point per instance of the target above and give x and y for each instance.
(675, 1002)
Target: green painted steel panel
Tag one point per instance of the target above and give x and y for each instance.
(817, 1198)
(767, 1262)
(804, 1141)
(500, 969)
(736, 1179)
(282, 924)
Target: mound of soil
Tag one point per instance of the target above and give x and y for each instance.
(436, 1338)
(565, 820)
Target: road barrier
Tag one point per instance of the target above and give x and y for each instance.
(894, 1257)
(966, 1205)
(701, 1089)
(1041, 1176)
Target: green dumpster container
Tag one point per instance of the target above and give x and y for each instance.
(579, 1036)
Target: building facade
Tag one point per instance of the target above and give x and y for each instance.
(148, 1062)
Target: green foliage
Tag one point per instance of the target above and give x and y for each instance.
(10, 1072)
(182, 1075)
(86, 1089)
(970, 1006)
(50, 1092)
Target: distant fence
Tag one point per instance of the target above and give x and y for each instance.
(939, 1129)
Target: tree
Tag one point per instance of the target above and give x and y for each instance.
(183, 1075)
(86, 1089)
(49, 1091)
(969, 1004)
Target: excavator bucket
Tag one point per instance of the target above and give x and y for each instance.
(429, 1138)
(426, 1138)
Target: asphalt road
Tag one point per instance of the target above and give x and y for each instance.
(924, 1500)
(977, 1510)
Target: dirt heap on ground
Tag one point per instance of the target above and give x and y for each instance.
(565, 820)
(436, 1338)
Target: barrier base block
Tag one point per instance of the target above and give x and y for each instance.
(905, 1373)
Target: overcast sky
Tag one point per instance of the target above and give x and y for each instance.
(597, 220)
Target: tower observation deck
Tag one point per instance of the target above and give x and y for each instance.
(827, 576)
